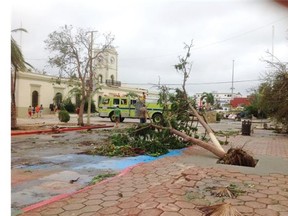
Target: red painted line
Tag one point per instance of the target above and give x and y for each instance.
(15, 133)
(62, 196)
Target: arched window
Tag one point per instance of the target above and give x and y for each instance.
(35, 97)
(100, 78)
(58, 99)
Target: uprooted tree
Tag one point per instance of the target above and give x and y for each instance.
(178, 128)
(237, 156)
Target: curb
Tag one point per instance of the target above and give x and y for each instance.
(15, 133)
(62, 196)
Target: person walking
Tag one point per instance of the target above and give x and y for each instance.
(33, 111)
(37, 109)
(117, 114)
(29, 111)
(41, 110)
(143, 114)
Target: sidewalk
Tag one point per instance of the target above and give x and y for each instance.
(179, 185)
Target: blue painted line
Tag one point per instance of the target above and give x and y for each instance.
(76, 162)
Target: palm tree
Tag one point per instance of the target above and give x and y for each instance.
(17, 63)
(209, 98)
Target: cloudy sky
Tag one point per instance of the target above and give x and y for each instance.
(150, 36)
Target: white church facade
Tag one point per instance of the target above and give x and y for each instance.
(34, 89)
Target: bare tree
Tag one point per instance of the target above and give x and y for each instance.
(75, 57)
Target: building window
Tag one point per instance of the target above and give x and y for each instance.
(35, 97)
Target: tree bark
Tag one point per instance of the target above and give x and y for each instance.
(207, 127)
(213, 149)
(13, 101)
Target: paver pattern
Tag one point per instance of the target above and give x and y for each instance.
(175, 186)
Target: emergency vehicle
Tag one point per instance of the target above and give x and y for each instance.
(129, 108)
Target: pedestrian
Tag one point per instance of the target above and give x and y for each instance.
(29, 111)
(33, 111)
(51, 107)
(117, 114)
(37, 109)
(143, 114)
(41, 110)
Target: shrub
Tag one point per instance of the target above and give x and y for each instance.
(69, 106)
(63, 116)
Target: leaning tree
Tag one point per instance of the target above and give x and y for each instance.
(233, 156)
(73, 53)
(17, 63)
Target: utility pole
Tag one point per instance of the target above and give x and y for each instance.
(232, 88)
(90, 81)
(272, 43)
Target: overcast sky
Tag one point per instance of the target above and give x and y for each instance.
(150, 35)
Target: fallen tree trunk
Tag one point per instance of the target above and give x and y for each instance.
(216, 151)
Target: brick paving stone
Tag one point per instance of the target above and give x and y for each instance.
(177, 191)
(246, 198)
(284, 202)
(128, 204)
(190, 212)
(255, 205)
(87, 214)
(185, 204)
(92, 208)
(244, 209)
(165, 200)
(266, 212)
(110, 198)
(53, 211)
(148, 205)
(109, 203)
(151, 212)
(31, 214)
(269, 191)
(110, 210)
(76, 200)
(93, 202)
(278, 208)
(73, 206)
(278, 197)
(258, 195)
(170, 207)
(171, 214)
(267, 201)
(130, 212)
(95, 196)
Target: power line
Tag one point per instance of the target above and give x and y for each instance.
(198, 83)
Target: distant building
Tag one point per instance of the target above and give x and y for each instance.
(222, 99)
(33, 89)
(240, 102)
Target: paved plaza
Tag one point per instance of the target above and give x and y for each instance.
(181, 185)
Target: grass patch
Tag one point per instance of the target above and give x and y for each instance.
(101, 177)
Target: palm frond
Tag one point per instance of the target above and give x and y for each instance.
(223, 209)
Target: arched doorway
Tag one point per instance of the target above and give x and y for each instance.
(58, 99)
(35, 97)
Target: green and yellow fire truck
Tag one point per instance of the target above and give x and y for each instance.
(129, 108)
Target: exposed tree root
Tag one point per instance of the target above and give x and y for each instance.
(237, 156)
